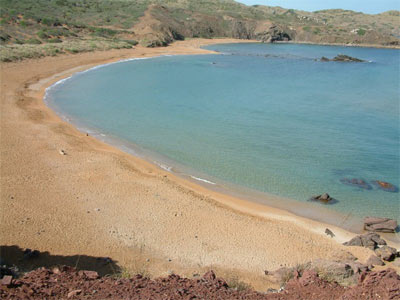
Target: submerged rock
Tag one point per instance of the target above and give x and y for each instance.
(380, 224)
(357, 183)
(386, 186)
(324, 198)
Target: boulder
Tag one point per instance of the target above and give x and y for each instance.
(380, 224)
(374, 260)
(370, 240)
(340, 272)
(386, 186)
(386, 253)
(324, 198)
(342, 58)
(360, 183)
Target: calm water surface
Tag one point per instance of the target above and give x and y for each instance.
(265, 117)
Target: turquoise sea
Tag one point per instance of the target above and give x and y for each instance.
(262, 117)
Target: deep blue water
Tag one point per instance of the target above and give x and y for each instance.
(266, 117)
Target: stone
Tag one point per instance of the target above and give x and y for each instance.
(342, 58)
(324, 198)
(346, 58)
(62, 152)
(380, 224)
(386, 253)
(385, 186)
(6, 280)
(370, 240)
(341, 272)
(209, 276)
(374, 260)
(74, 293)
(91, 274)
(329, 232)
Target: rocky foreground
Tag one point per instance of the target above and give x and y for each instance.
(69, 283)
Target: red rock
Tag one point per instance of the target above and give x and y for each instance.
(73, 293)
(6, 280)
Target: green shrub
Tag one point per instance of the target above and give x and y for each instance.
(43, 35)
(103, 32)
(33, 41)
(361, 31)
(131, 42)
(307, 28)
(54, 40)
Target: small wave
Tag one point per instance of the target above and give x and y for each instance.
(203, 180)
(164, 167)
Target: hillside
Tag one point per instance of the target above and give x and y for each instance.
(48, 27)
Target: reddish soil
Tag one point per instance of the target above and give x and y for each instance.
(68, 283)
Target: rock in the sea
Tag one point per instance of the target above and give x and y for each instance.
(386, 253)
(357, 183)
(380, 224)
(342, 58)
(374, 260)
(386, 186)
(370, 240)
(324, 198)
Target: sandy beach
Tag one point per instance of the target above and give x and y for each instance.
(97, 201)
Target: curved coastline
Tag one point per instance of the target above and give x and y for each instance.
(320, 214)
(239, 198)
(33, 92)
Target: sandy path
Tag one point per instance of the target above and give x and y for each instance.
(99, 201)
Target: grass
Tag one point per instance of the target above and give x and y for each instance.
(235, 283)
(16, 52)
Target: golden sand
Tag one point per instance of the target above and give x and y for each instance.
(99, 201)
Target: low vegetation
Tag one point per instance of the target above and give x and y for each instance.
(49, 27)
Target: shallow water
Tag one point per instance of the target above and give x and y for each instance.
(265, 117)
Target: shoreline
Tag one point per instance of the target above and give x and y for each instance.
(91, 164)
(324, 215)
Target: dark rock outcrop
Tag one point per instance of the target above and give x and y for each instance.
(386, 253)
(380, 224)
(324, 198)
(370, 240)
(275, 34)
(342, 58)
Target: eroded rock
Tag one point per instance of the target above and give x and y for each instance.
(380, 224)
(386, 253)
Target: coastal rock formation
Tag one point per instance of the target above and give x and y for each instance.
(356, 182)
(386, 253)
(324, 198)
(370, 240)
(386, 186)
(380, 224)
(275, 34)
(374, 260)
(68, 283)
(342, 58)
